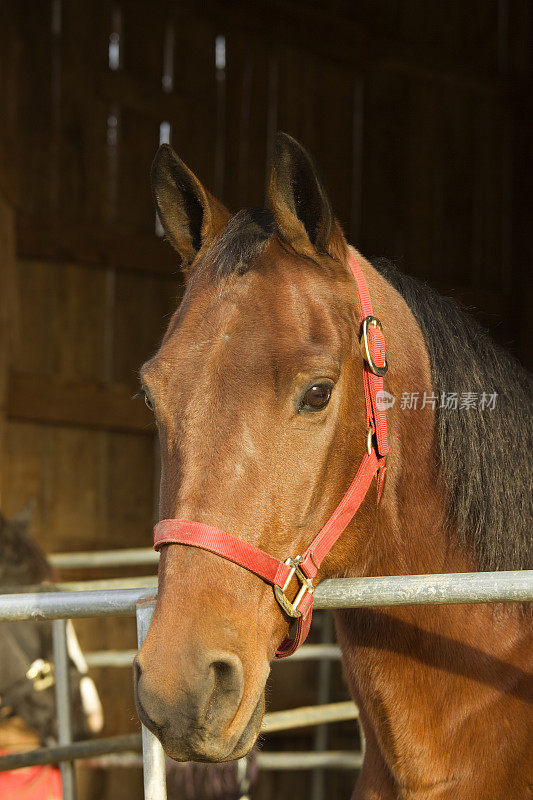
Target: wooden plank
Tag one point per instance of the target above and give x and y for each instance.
(38, 161)
(145, 97)
(10, 51)
(296, 87)
(8, 305)
(521, 130)
(334, 99)
(78, 300)
(420, 118)
(490, 256)
(138, 142)
(34, 347)
(26, 449)
(246, 120)
(98, 245)
(316, 105)
(142, 308)
(456, 156)
(83, 53)
(130, 490)
(368, 47)
(142, 48)
(384, 173)
(79, 403)
(194, 136)
(63, 320)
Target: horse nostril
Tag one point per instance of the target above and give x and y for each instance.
(137, 671)
(224, 675)
(228, 684)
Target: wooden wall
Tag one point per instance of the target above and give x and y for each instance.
(418, 114)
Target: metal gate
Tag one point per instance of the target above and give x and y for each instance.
(404, 590)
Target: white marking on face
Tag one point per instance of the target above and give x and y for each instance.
(248, 445)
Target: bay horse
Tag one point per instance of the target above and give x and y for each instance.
(258, 395)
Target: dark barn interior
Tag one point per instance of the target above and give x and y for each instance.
(419, 117)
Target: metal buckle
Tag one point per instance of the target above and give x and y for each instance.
(306, 586)
(41, 673)
(369, 442)
(365, 346)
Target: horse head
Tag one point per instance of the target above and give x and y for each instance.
(258, 396)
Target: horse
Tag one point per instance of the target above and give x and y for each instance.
(260, 392)
(27, 700)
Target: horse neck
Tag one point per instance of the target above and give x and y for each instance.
(405, 665)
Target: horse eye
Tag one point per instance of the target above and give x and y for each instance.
(147, 400)
(316, 397)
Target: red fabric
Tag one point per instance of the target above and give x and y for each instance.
(196, 534)
(31, 783)
(341, 517)
(265, 566)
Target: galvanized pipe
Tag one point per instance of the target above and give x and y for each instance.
(140, 582)
(314, 652)
(154, 772)
(325, 760)
(71, 605)
(123, 557)
(413, 590)
(333, 759)
(124, 658)
(101, 753)
(399, 590)
(272, 722)
(63, 705)
(308, 715)
(88, 748)
(135, 582)
(110, 658)
(322, 697)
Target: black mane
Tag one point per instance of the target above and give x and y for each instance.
(486, 456)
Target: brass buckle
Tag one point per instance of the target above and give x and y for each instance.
(306, 586)
(365, 346)
(369, 443)
(41, 673)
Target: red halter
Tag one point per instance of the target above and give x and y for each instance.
(278, 573)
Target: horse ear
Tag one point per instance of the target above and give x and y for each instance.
(191, 217)
(300, 204)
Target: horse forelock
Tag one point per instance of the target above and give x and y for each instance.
(241, 242)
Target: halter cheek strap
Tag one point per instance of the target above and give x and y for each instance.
(304, 568)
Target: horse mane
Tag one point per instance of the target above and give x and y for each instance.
(485, 455)
(22, 562)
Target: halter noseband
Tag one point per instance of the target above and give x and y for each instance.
(305, 567)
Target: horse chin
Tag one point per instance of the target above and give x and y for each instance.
(213, 750)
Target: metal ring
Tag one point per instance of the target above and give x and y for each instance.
(365, 346)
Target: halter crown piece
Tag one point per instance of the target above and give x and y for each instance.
(305, 567)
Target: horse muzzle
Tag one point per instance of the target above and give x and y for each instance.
(205, 720)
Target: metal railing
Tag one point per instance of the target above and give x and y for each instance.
(98, 559)
(491, 587)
